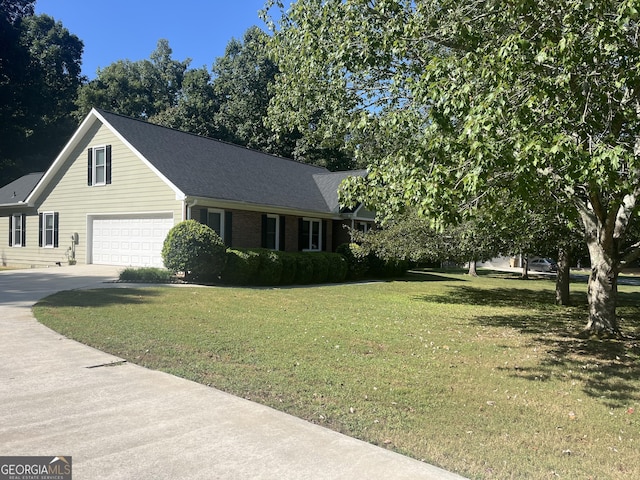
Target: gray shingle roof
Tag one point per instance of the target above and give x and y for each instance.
(328, 183)
(18, 190)
(203, 167)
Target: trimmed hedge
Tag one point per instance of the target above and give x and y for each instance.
(241, 267)
(258, 266)
(268, 267)
(367, 265)
(146, 275)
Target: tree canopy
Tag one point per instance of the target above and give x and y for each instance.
(540, 97)
(39, 77)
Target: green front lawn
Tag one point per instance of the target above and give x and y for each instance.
(482, 376)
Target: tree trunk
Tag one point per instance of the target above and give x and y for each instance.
(472, 268)
(602, 290)
(563, 278)
(525, 266)
(602, 294)
(605, 225)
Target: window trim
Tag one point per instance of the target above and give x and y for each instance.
(103, 167)
(54, 230)
(276, 232)
(17, 224)
(311, 222)
(222, 220)
(93, 168)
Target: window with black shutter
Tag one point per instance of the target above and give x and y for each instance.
(99, 165)
(17, 230)
(49, 227)
(311, 234)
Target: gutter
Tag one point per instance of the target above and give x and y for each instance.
(187, 207)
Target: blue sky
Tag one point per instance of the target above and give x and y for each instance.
(130, 29)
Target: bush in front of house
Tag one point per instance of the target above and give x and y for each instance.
(356, 258)
(289, 267)
(241, 267)
(146, 275)
(337, 268)
(304, 268)
(269, 267)
(362, 264)
(195, 249)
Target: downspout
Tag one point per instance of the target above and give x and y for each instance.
(188, 206)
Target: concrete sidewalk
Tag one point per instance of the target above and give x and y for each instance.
(122, 421)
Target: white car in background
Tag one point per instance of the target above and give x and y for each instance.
(543, 265)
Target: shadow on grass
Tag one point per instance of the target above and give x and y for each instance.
(431, 276)
(608, 369)
(98, 297)
(501, 297)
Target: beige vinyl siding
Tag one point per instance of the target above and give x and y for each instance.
(135, 189)
(19, 256)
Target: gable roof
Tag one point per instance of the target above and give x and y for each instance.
(17, 191)
(329, 183)
(204, 168)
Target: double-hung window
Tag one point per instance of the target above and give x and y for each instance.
(311, 234)
(48, 229)
(17, 230)
(215, 219)
(218, 220)
(271, 237)
(99, 165)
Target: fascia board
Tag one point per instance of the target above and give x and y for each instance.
(235, 205)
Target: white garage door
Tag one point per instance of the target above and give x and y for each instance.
(129, 241)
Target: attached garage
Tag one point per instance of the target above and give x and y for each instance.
(129, 240)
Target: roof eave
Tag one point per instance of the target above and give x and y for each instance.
(266, 208)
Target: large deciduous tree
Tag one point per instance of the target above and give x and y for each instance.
(140, 89)
(39, 77)
(480, 95)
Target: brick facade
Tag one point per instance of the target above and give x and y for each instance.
(246, 230)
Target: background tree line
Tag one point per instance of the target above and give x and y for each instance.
(43, 95)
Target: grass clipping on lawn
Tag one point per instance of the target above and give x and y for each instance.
(483, 376)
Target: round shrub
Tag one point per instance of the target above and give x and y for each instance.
(195, 249)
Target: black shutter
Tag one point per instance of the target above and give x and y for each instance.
(108, 165)
(324, 236)
(300, 236)
(89, 167)
(23, 219)
(40, 219)
(282, 237)
(204, 214)
(264, 231)
(11, 230)
(55, 229)
(228, 228)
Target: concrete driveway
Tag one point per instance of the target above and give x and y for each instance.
(126, 422)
